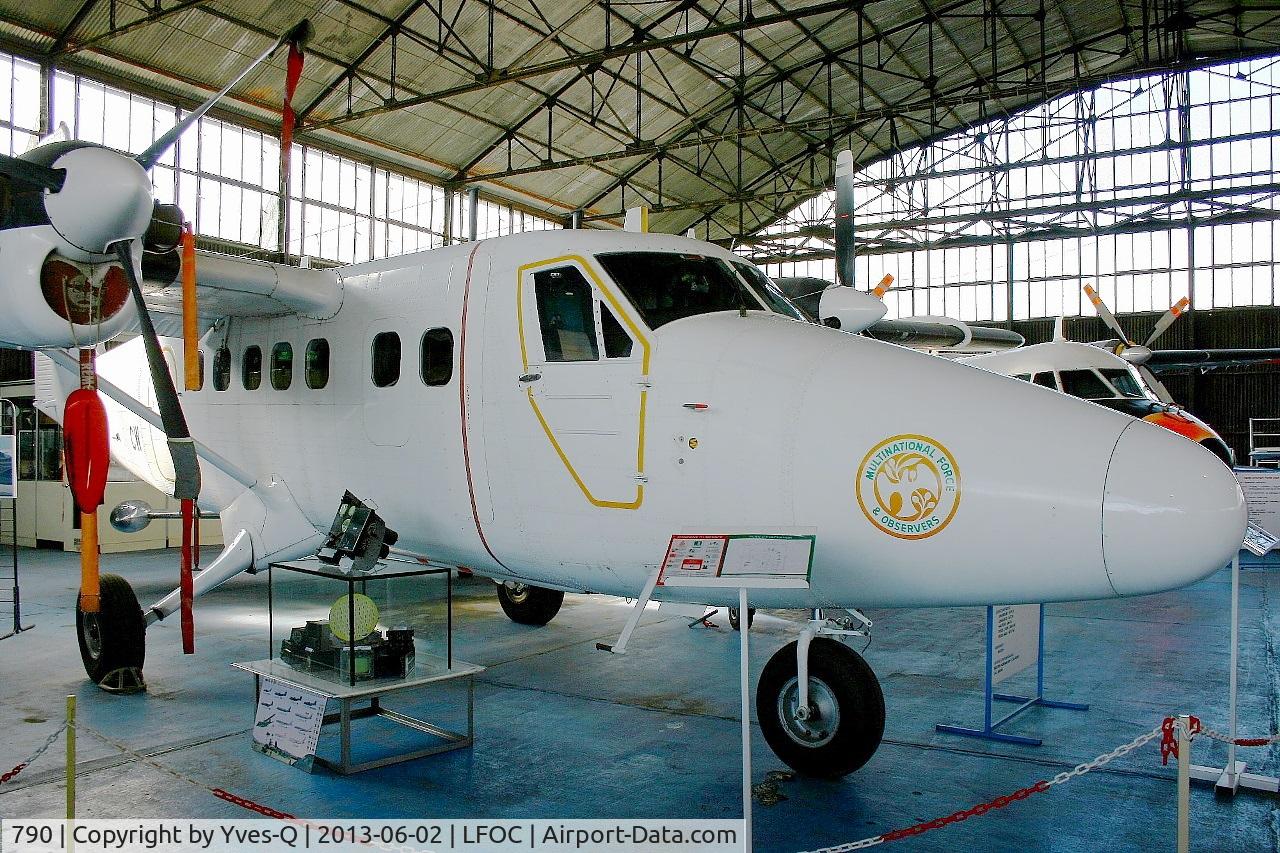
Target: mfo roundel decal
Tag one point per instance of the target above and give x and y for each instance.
(909, 486)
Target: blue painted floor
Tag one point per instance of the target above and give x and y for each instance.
(566, 731)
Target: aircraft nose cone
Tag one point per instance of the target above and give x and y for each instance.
(1172, 513)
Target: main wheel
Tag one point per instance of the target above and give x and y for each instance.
(735, 616)
(529, 605)
(115, 637)
(845, 719)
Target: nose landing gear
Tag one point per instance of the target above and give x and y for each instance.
(529, 605)
(113, 641)
(819, 704)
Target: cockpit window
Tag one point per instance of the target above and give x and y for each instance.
(1123, 381)
(566, 313)
(769, 293)
(665, 287)
(1084, 384)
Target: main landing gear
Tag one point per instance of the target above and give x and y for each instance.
(819, 704)
(113, 641)
(529, 605)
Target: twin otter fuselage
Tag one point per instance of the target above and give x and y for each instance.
(553, 407)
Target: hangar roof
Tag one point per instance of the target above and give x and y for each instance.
(707, 110)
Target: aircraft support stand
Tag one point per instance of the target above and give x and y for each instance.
(988, 730)
(1231, 778)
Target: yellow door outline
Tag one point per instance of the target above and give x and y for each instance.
(616, 304)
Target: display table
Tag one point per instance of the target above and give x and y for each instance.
(428, 671)
(341, 655)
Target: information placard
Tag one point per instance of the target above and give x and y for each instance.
(693, 556)
(1261, 489)
(760, 554)
(1015, 640)
(287, 723)
(8, 467)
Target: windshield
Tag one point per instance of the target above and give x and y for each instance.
(665, 287)
(769, 293)
(1084, 383)
(1125, 383)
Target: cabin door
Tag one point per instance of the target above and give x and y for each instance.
(584, 382)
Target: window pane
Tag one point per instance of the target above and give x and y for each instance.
(282, 366)
(1084, 383)
(1045, 379)
(617, 343)
(317, 363)
(222, 369)
(437, 357)
(566, 315)
(200, 363)
(386, 359)
(665, 287)
(251, 368)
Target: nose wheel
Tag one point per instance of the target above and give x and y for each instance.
(839, 728)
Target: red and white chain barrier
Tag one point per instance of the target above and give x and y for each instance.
(1166, 731)
(44, 747)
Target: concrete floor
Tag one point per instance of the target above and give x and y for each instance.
(566, 731)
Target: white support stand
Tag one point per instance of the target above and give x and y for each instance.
(742, 583)
(620, 647)
(1230, 779)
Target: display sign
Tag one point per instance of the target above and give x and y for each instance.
(693, 556)
(1261, 489)
(1258, 541)
(8, 467)
(777, 556)
(287, 724)
(1015, 639)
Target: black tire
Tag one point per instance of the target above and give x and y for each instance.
(116, 636)
(529, 605)
(734, 618)
(845, 695)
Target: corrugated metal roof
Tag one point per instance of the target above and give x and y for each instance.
(434, 90)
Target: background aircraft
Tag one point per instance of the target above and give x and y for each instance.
(549, 409)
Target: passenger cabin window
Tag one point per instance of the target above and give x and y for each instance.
(316, 365)
(1084, 384)
(282, 366)
(1025, 377)
(1045, 379)
(566, 315)
(437, 357)
(386, 359)
(222, 369)
(251, 368)
(665, 287)
(617, 343)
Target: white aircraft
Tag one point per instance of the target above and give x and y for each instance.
(1118, 373)
(549, 409)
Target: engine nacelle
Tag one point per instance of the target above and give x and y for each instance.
(50, 300)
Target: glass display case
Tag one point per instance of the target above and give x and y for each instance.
(360, 627)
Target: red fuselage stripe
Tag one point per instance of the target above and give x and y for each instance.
(462, 405)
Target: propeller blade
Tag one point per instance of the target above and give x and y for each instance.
(299, 34)
(883, 287)
(1155, 384)
(1105, 313)
(32, 173)
(186, 467)
(1179, 308)
(844, 218)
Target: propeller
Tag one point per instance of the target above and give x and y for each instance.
(844, 218)
(1139, 354)
(100, 202)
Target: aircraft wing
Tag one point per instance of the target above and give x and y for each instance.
(943, 335)
(1168, 360)
(230, 286)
